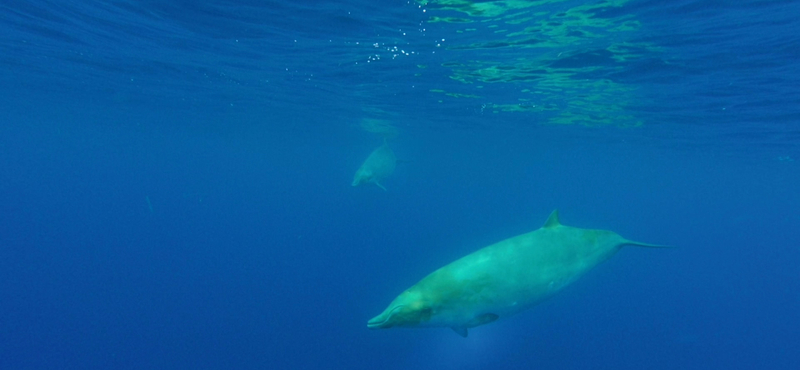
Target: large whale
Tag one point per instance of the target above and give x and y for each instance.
(379, 165)
(502, 279)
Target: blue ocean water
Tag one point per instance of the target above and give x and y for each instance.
(175, 179)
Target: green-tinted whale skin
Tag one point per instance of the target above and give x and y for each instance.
(379, 165)
(502, 279)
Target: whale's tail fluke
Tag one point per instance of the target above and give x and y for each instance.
(644, 245)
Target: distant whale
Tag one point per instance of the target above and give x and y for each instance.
(502, 279)
(379, 165)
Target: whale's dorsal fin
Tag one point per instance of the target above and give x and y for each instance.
(552, 221)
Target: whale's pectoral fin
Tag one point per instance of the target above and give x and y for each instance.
(482, 320)
(477, 321)
(460, 330)
(380, 186)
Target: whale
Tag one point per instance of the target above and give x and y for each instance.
(378, 166)
(502, 279)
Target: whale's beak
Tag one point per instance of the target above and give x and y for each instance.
(383, 321)
(377, 322)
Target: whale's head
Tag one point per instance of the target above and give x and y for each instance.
(362, 176)
(409, 309)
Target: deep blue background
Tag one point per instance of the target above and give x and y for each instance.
(175, 190)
